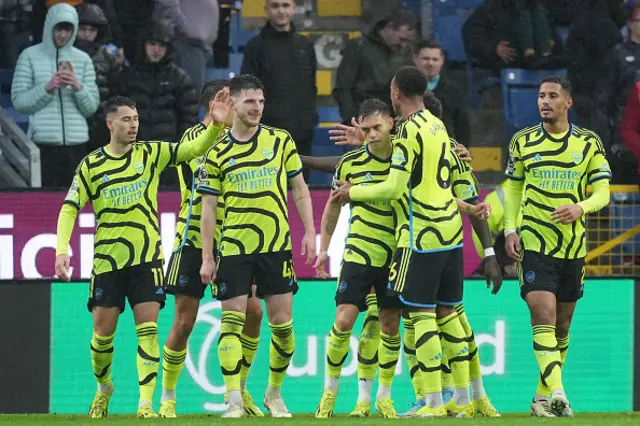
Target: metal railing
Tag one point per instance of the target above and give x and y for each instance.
(19, 157)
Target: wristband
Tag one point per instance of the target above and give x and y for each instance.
(489, 252)
(508, 232)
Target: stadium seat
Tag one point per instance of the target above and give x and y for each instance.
(239, 36)
(235, 63)
(448, 32)
(624, 213)
(519, 97)
(329, 115)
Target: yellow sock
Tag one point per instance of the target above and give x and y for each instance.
(249, 349)
(456, 349)
(447, 377)
(101, 356)
(337, 351)
(409, 344)
(475, 372)
(388, 353)
(230, 348)
(148, 359)
(428, 350)
(369, 341)
(172, 365)
(280, 352)
(563, 346)
(547, 354)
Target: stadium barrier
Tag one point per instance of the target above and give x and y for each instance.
(47, 367)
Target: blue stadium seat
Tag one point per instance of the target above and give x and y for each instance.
(235, 63)
(448, 32)
(239, 37)
(329, 115)
(519, 96)
(624, 212)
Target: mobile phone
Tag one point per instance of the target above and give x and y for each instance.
(65, 66)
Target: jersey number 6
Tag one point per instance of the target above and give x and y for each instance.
(444, 166)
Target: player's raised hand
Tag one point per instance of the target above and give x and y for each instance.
(512, 245)
(220, 105)
(208, 271)
(463, 153)
(340, 194)
(492, 273)
(322, 259)
(347, 135)
(567, 214)
(309, 247)
(63, 261)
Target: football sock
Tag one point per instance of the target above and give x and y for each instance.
(368, 349)
(280, 352)
(388, 353)
(249, 349)
(230, 351)
(101, 356)
(428, 351)
(337, 351)
(148, 359)
(563, 346)
(456, 352)
(172, 365)
(409, 344)
(548, 356)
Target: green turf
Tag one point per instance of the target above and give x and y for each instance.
(586, 419)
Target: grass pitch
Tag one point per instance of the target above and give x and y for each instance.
(581, 419)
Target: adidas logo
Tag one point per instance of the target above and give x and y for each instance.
(106, 178)
(368, 177)
(159, 291)
(537, 158)
(232, 162)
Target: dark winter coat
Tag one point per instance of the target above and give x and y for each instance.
(455, 110)
(366, 70)
(285, 62)
(166, 101)
(617, 76)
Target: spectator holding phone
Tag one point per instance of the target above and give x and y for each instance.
(55, 83)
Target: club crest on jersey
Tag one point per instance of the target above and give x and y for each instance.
(138, 167)
(268, 153)
(399, 158)
(577, 157)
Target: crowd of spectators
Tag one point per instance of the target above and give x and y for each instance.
(156, 52)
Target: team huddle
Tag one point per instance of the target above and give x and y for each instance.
(407, 186)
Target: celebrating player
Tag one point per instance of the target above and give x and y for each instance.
(429, 238)
(121, 182)
(249, 168)
(183, 274)
(554, 162)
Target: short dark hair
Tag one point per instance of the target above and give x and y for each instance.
(400, 17)
(373, 106)
(244, 82)
(210, 90)
(428, 44)
(562, 81)
(411, 81)
(432, 103)
(112, 104)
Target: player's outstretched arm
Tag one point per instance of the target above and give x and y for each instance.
(321, 164)
(302, 200)
(330, 218)
(207, 228)
(218, 110)
(391, 189)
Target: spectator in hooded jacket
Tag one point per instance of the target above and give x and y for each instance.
(370, 62)
(196, 24)
(55, 84)
(166, 100)
(285, 62)
(93, 33)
